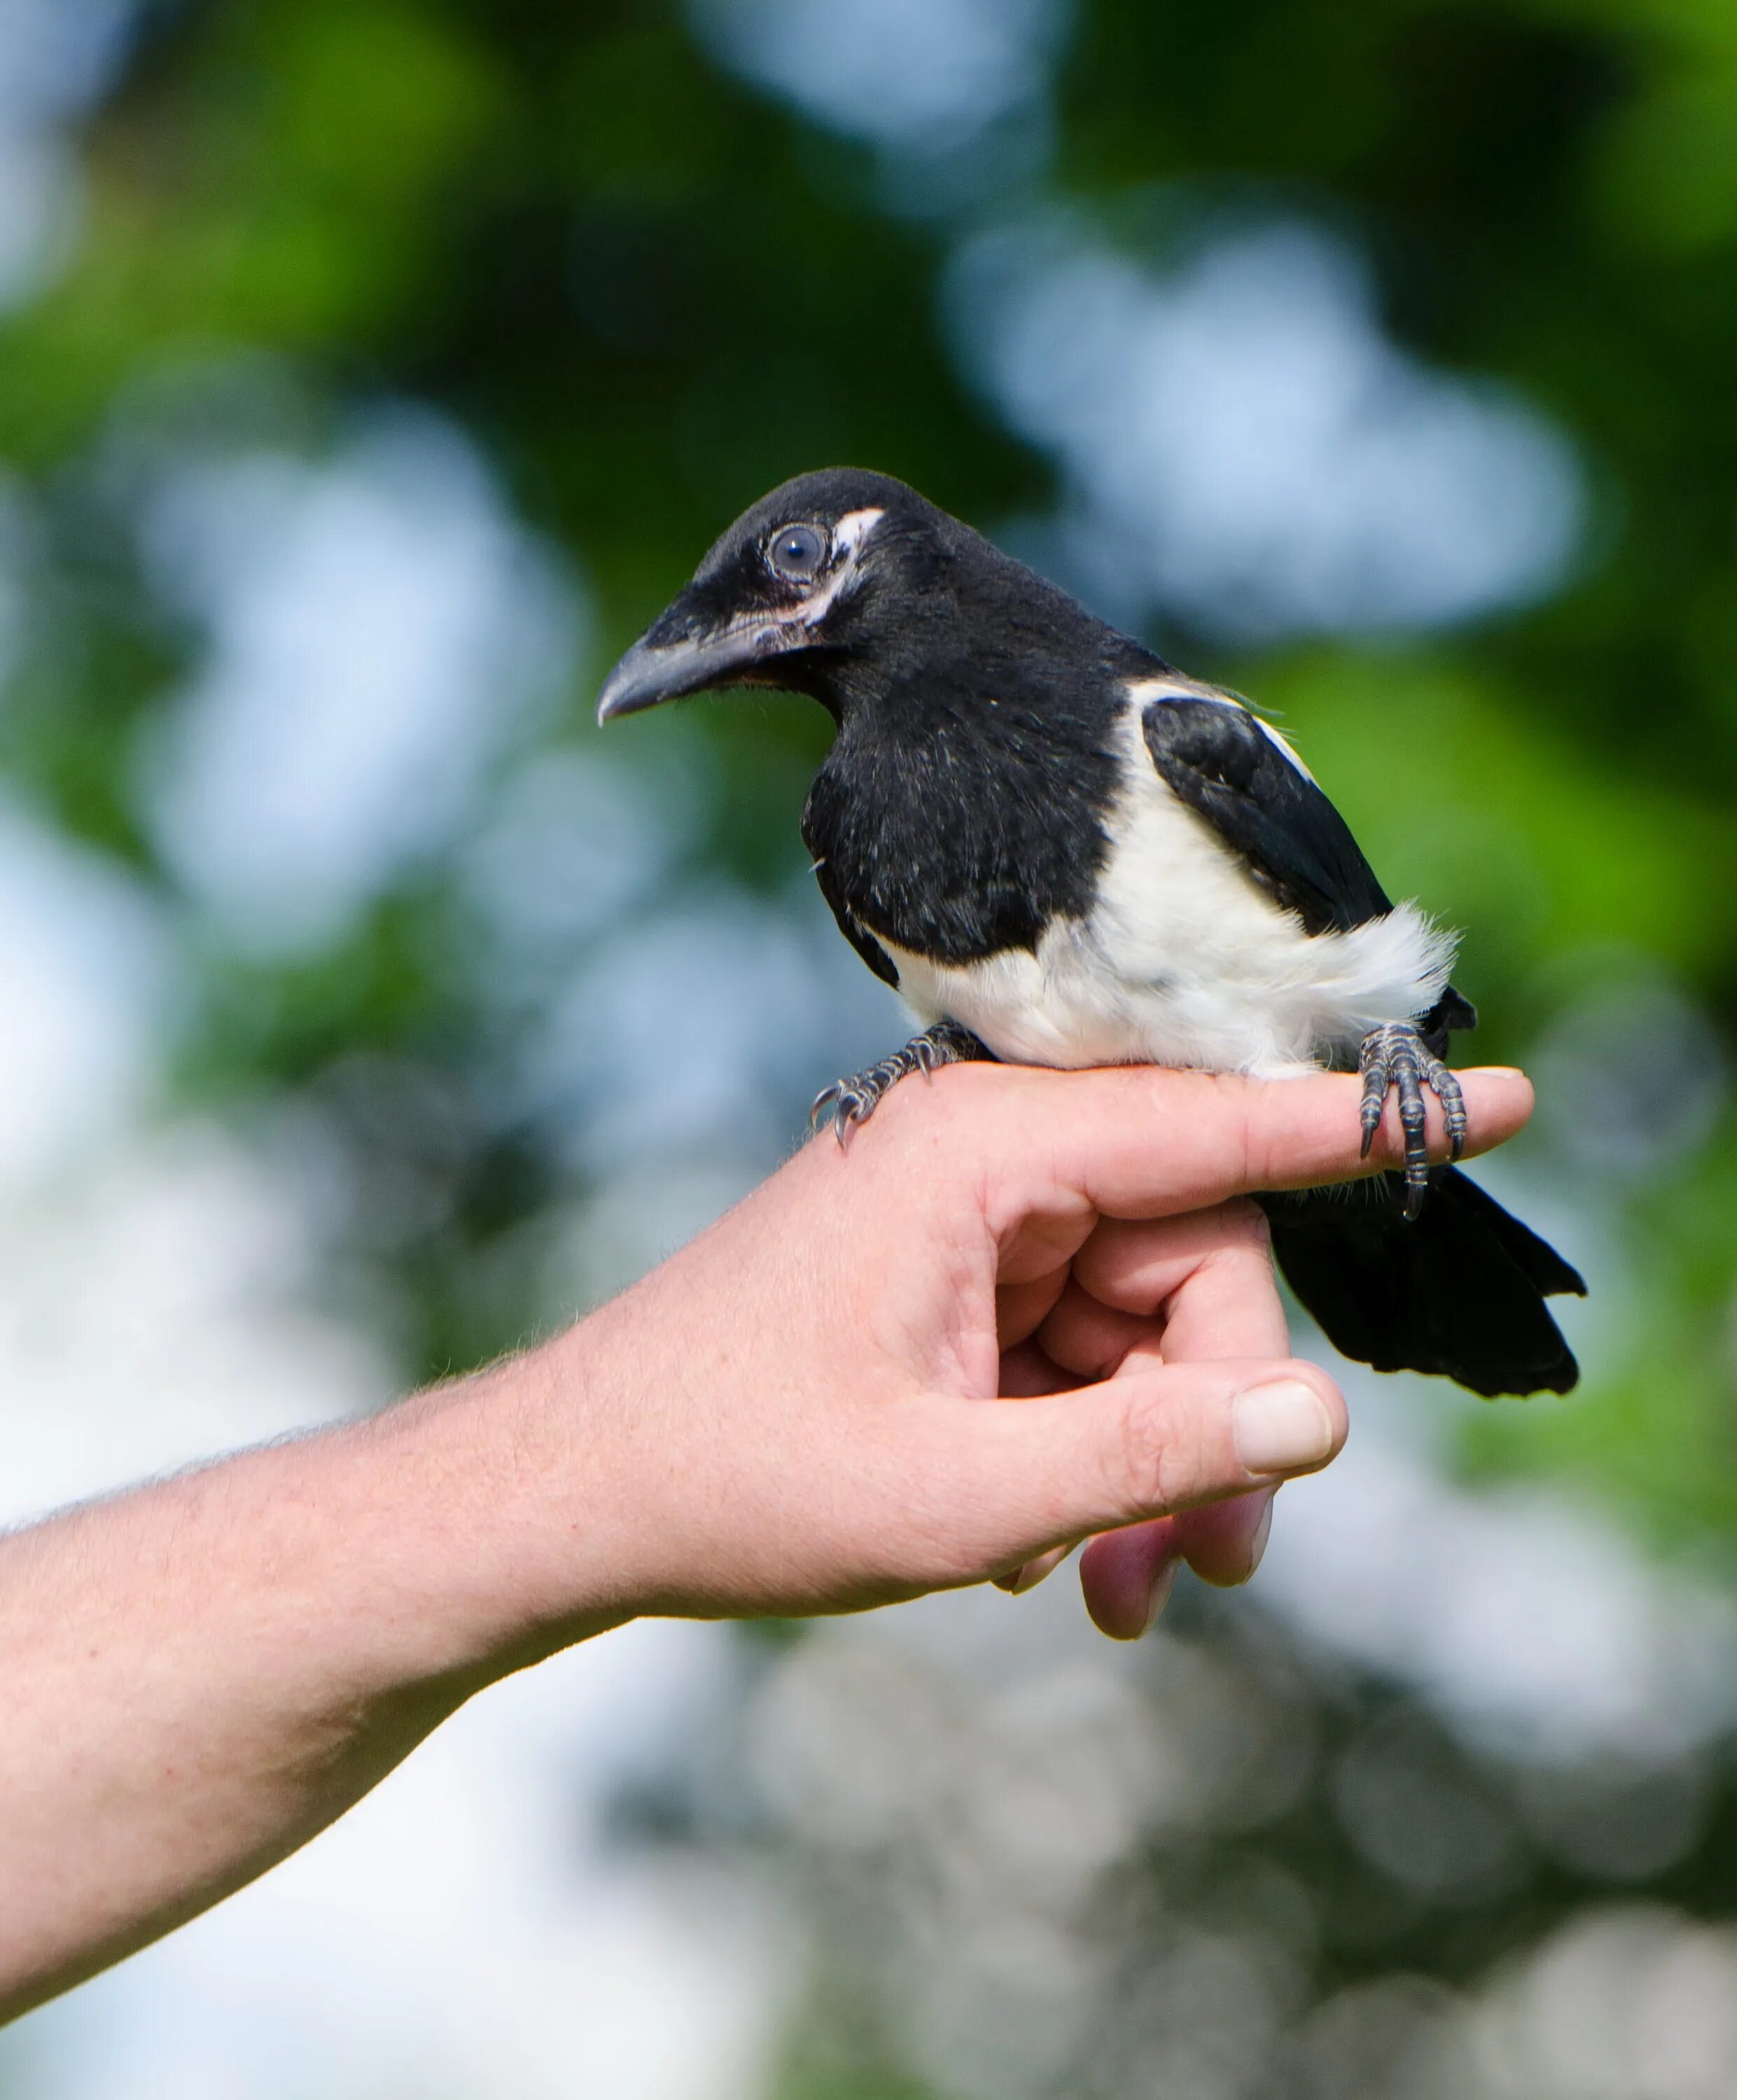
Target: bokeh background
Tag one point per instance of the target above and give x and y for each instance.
(370, 371)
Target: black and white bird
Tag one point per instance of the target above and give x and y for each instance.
(1063, 851)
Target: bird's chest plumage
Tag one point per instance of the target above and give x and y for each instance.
(963, 834)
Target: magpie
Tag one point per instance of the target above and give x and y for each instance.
(1061, 850)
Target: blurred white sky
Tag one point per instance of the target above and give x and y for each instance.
(1241, 446)
(55, 59)
(379, 629)
(979, 1776)
(1529, 1624)
(917, 75)
(87, 966)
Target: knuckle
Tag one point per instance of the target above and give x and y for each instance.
(1158, 1456)
(1242, 1251)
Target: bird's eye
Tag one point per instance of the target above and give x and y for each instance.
(796, 551)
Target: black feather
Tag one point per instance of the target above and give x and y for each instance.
(1459, 1292)
(1214, 756)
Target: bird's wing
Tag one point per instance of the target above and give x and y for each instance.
(1228, 767)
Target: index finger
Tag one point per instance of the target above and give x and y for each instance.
(1142, 1141)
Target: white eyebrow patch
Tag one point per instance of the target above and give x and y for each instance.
(853, 527)
(848, 535)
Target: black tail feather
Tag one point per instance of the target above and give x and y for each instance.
(1459, 1293)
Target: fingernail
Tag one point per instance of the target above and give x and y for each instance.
(1028, 1577)
(1257, 1544)
(1163, 1583)
(1282, 1427)
(1500, 1071)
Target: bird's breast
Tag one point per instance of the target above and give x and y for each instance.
(965, 842)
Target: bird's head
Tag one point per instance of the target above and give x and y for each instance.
(825, 575)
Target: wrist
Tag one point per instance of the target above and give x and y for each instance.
(499, 1487)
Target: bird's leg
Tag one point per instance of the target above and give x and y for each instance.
(1396, 1056)
(852, 1102)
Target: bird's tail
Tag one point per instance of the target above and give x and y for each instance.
(1461, 1292)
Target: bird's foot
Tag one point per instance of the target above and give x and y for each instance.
(1396, 1056)
(850, 1102)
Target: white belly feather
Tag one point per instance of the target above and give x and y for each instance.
(1184, 960)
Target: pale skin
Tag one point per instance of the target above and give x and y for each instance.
(1025, 1309)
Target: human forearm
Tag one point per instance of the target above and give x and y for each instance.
(202, 1673)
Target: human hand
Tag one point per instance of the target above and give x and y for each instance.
(1183, 1289)
(1025, 1308)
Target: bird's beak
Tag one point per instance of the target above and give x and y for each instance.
(654, 670)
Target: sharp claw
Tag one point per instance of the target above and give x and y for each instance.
(1374, 1100)
(854, 1108)
(853, 1101)
(1453, 1108)
(1395, 1057)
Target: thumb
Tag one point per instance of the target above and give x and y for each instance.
(1154, 1438)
